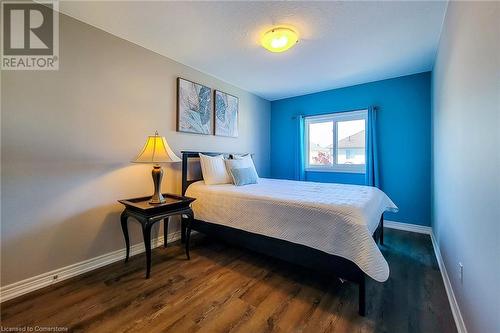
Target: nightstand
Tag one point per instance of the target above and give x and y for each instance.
(148, 214)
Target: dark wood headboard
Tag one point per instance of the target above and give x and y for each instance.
(187, 155)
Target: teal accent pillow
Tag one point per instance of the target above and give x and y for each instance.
(243, 176)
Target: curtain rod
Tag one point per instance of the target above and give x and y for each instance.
(376, 108)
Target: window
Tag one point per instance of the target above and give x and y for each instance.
(336, 142)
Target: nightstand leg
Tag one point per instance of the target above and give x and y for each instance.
(183, 229)
(165, 231)
(146, 232)
(123, 218)
(188, 236)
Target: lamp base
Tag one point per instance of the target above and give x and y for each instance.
(157, 174)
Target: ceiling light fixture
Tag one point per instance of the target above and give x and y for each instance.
(279, 39)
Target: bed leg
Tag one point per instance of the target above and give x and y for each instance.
(362, 297)
(382, 230)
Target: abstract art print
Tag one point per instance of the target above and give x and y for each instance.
(226, 114)
(194, 107)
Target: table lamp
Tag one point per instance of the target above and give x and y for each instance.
(155, 151)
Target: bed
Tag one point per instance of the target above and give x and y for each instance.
(332, 228)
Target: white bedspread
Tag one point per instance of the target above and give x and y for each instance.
(335, 218)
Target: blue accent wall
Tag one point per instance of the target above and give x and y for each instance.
(404, 138)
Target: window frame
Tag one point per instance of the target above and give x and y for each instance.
(361, 114)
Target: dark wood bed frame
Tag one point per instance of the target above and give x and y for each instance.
(295, 253)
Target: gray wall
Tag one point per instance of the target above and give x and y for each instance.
(466, 158)
(68, 137)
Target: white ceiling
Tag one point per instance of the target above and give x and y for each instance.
(341, 43)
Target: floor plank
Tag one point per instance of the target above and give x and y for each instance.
(227, 289)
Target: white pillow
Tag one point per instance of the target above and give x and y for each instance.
(247, 162)
(238, 164)
(214, 170)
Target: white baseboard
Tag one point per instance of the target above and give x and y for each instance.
(455, 310)
(457, 315)
(37, 282)
(421, 229)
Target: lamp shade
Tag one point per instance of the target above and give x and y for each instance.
(156, 150)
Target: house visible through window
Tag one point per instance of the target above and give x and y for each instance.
(336, 142)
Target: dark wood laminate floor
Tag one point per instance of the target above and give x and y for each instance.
(226, 289)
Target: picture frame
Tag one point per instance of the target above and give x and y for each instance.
(194, 107)
(226, 114)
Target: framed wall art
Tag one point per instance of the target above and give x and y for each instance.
(226, 114)
(194, 107)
